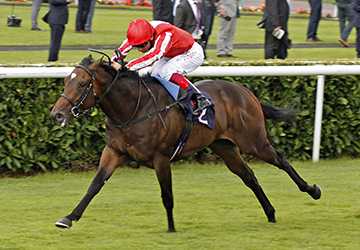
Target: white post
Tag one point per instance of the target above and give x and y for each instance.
(318, 117)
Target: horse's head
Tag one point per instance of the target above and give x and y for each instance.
(79, 92)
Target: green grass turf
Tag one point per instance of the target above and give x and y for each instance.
(213, 210)
(110, 27)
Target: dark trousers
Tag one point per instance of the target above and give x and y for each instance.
(81, 16)
(345, 13)
(208, 19)
(57, 31)
(315, 17)
(275, 47)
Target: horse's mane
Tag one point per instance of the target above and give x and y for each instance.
(108, 68)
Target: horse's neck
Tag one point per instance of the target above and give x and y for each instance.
(121, 101)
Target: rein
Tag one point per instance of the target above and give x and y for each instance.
(76, 107)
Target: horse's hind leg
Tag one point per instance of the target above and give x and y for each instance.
(230, 153)
(108, 163)
(277, 158)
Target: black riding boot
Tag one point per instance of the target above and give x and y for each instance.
(182, 82)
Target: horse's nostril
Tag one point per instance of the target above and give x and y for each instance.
(59, 117)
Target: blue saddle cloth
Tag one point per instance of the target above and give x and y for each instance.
(207, 116)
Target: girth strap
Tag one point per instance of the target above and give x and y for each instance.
(183, 139)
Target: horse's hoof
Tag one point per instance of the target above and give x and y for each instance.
(64, 223)
(317, 194)
(272, 219)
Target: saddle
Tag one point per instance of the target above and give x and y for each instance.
(186, 101)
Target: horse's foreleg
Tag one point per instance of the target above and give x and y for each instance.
(231, 155)
(108, 163)
(163, 173)
(277, 158)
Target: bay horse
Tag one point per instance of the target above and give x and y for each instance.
(134, 135)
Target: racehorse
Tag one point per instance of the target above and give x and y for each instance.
(144, 125)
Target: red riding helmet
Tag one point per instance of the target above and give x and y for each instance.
(139, 32)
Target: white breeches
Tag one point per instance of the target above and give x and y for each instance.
(182, 64)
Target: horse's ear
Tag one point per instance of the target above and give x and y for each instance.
(87, 60)
(95, 65)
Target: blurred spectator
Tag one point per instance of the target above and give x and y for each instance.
(81, 16)
(162, 10)
(355, 4)
(90, 16)
(345, 11)
(36, 5)
(57, 17)
(208, 13)
(188, 17)
(314, 20)
(227, 19)
(275, 21)
(175, 4)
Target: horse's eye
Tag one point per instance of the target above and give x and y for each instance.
(81, 85)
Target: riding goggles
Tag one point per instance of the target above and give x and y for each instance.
(143, 45)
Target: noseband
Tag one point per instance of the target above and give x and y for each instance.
(76, 107)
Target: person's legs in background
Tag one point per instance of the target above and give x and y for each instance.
(88, 24)
(270, 45)
(315, 17)
(342, 17)
(208, 20)
(57, 31)
(350, 14)
(222, 37)
(81, 16)
(35, 8)
(230, 37)
(282, 48)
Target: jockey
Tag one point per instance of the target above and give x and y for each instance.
(172, 50)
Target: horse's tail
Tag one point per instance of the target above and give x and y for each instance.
(286, 114)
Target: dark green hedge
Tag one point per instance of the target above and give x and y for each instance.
(30, 143)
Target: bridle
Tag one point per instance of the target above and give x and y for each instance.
(76, 107)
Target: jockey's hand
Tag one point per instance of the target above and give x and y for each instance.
(116, 65)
